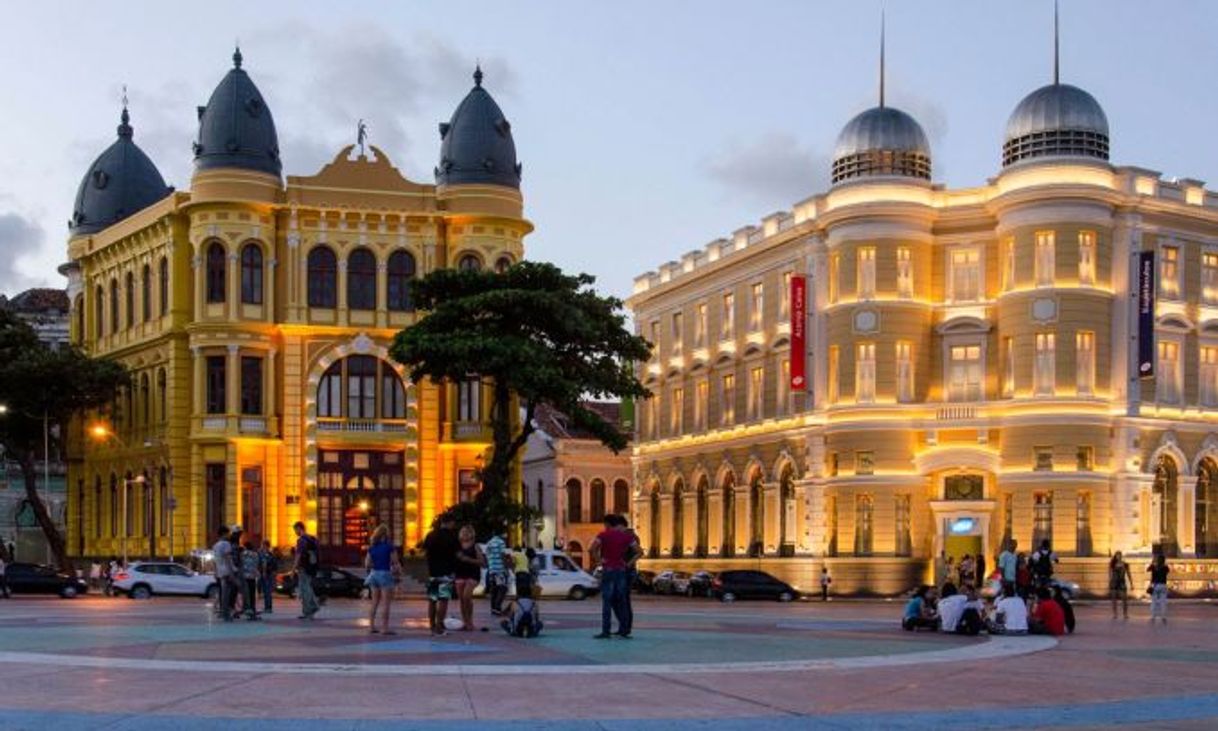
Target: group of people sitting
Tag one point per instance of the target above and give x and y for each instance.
(963, 612)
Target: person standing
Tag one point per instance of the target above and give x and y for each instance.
(825, 581)
(1008, 564)
(267, 566)
(468, 573)
(1041, 564)
(3, 578)
(610, 548)
(222, 556)
(496, 572)
(250, 575)
(979, 570)
(308, 552)
(1158, 588)
(441, 546)
(633, 554)
(1119, 582)
(383, 568)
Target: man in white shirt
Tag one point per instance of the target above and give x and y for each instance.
(1012, 615)
(950, 607)
(226, 573)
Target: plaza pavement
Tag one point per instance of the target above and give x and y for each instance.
(166, 663)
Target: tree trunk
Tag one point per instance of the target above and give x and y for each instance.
(497, 475)
(56, 540)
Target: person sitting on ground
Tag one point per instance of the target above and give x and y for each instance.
(1010, 615)
(949, 607)
(920, 612)
(1047, 616)
(523, 614)
(970, 622)
(1059, 596)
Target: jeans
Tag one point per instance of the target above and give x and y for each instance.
(229, 587)
(497, 589)
(268, 590)
(1158, 601)
(304, 589)
(614, 588)
(249, 597)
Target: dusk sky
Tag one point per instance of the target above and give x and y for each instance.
(646, 129)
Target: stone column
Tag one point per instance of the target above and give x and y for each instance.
(199, 386)
(714, 522)
(743, 529)
(269, 384)
(666, 524)
(232, 380)
(771, 519)
(196, 264)
(234, 287)
(382, 293)
(689, 529)
(269, 292)
(342, 292)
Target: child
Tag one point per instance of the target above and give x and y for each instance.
(523, 616)
(825, 581)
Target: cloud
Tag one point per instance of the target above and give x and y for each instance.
(775, 169)
(20, 237)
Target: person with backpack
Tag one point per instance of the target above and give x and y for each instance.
(523, 615)
(267, 566)
(1042, 564)
(249, 580)
(496, 571)
(308, 556)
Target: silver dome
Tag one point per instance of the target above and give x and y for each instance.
(881, 141)
(1054, 120)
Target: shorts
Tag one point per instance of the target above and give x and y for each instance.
(440, 588)
(380, 579)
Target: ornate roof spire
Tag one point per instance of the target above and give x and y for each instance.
(881, 57)
(478, 74)
(124, 127)
(1056, 49)
(237, 56)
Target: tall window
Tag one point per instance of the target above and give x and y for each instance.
(1168, 373)
(756, 304)
(323, 278)
(469, 263)
(99, 313)
(964, 275)
(393, 394)
(905, 371)
(864, 506)
(1209, 277)
(361, 280)
(676, 333)
(1008, 264)
(866, 272)
(677, 424)
(1169, 271)
(904, 273)
(401, 271)
(361, 387)
(216, 272)
(251, 385)
(1086, 258)
(727, 400)
(834, 388)
(655, 338)
(469, 399)
(164, 285)
(145, 400)
(115, 315)
(161, 396)
(251, 274)
(964, 373)
(831, 525)
(621, 497)
(784, 297)
(1045, 380)
(502, 264)
(1008, 367)
(330, 392)
(596, 491)
(1042, 518)
(727, 320)
(864, 374)
(146, 293)
(701, 403)
(783, 400)
(79, 307)
(1082, 517)
(1046, 258)
(756, 383)
(130, 299)
(575, 501)
(217, 399)
(904, 543)
(835, 271)
(1084, 361)
(1209, 376)
(700, 326)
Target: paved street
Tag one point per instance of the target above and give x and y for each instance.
(114, 663)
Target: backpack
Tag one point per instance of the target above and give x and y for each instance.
(1044, 564)
(526, 624)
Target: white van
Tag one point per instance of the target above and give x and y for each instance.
(557, 575)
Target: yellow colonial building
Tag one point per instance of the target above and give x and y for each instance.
(972, 361)
(255, 313)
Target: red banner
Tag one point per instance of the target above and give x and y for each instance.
(799, 335)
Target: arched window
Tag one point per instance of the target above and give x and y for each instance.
(115, 320)
(130, 299)
(621, 497)
(361, 280)
(597, 490)
(469, 263)
(361, 387)
(80, 318)
(654, 528)
(502, 264)
(401, 271)
(251, 274)
(348, 389)
(728, 548)
(1164, 494)
(786, 496)
(146, 399)
(575, 501)
(1205, 515)
(161, 395)
(702, 522)
(678, 519)
(216, 272)
(164, 286)
(756, 516)
(330, 392)
(393, 394)
(99, 313)
(323, 278)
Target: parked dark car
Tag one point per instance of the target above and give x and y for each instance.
(700, 583)
(729, 586)
(32, 578)
(330, 581)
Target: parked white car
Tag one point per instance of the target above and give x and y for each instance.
(142, 579)
(557, 575)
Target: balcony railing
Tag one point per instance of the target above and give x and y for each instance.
(362, 426)
(956, 412)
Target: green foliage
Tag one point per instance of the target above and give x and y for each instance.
(490, 513)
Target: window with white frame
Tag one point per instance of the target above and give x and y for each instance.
(864, 373)
(1008, 367)
(1169, 271)
(676, 333)
(866, 272)
(1046, 258)
(964, 373)
(1044, 376)
(1084, 361)
(677, 424)
(756, 383)
(904, 273)
(701, 403)
(964, 274)
(835, 270)
(833, 392)
(1209, 376)
(700, 326)
(1209, 277)
(727, 318)
(727, 400)
(756, 304)
(1008, 264)
(1086, 258)
(784, 386)
(905, 371)
(1167, 375)
(784, 299)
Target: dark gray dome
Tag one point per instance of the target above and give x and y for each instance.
(236, 129)
(477, 145)
(881, 141)
(120, 182)
(1054, 120)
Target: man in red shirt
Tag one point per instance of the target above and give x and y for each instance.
(612, 548)
(1047, 618)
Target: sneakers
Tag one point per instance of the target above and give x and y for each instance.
(602, 636)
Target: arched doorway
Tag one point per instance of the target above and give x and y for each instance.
(786, 511)
(702, 522)
(1164, 495)
(756, 515)
(678, 518)
(728, 548)
(654, 548)
(1206, 510)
